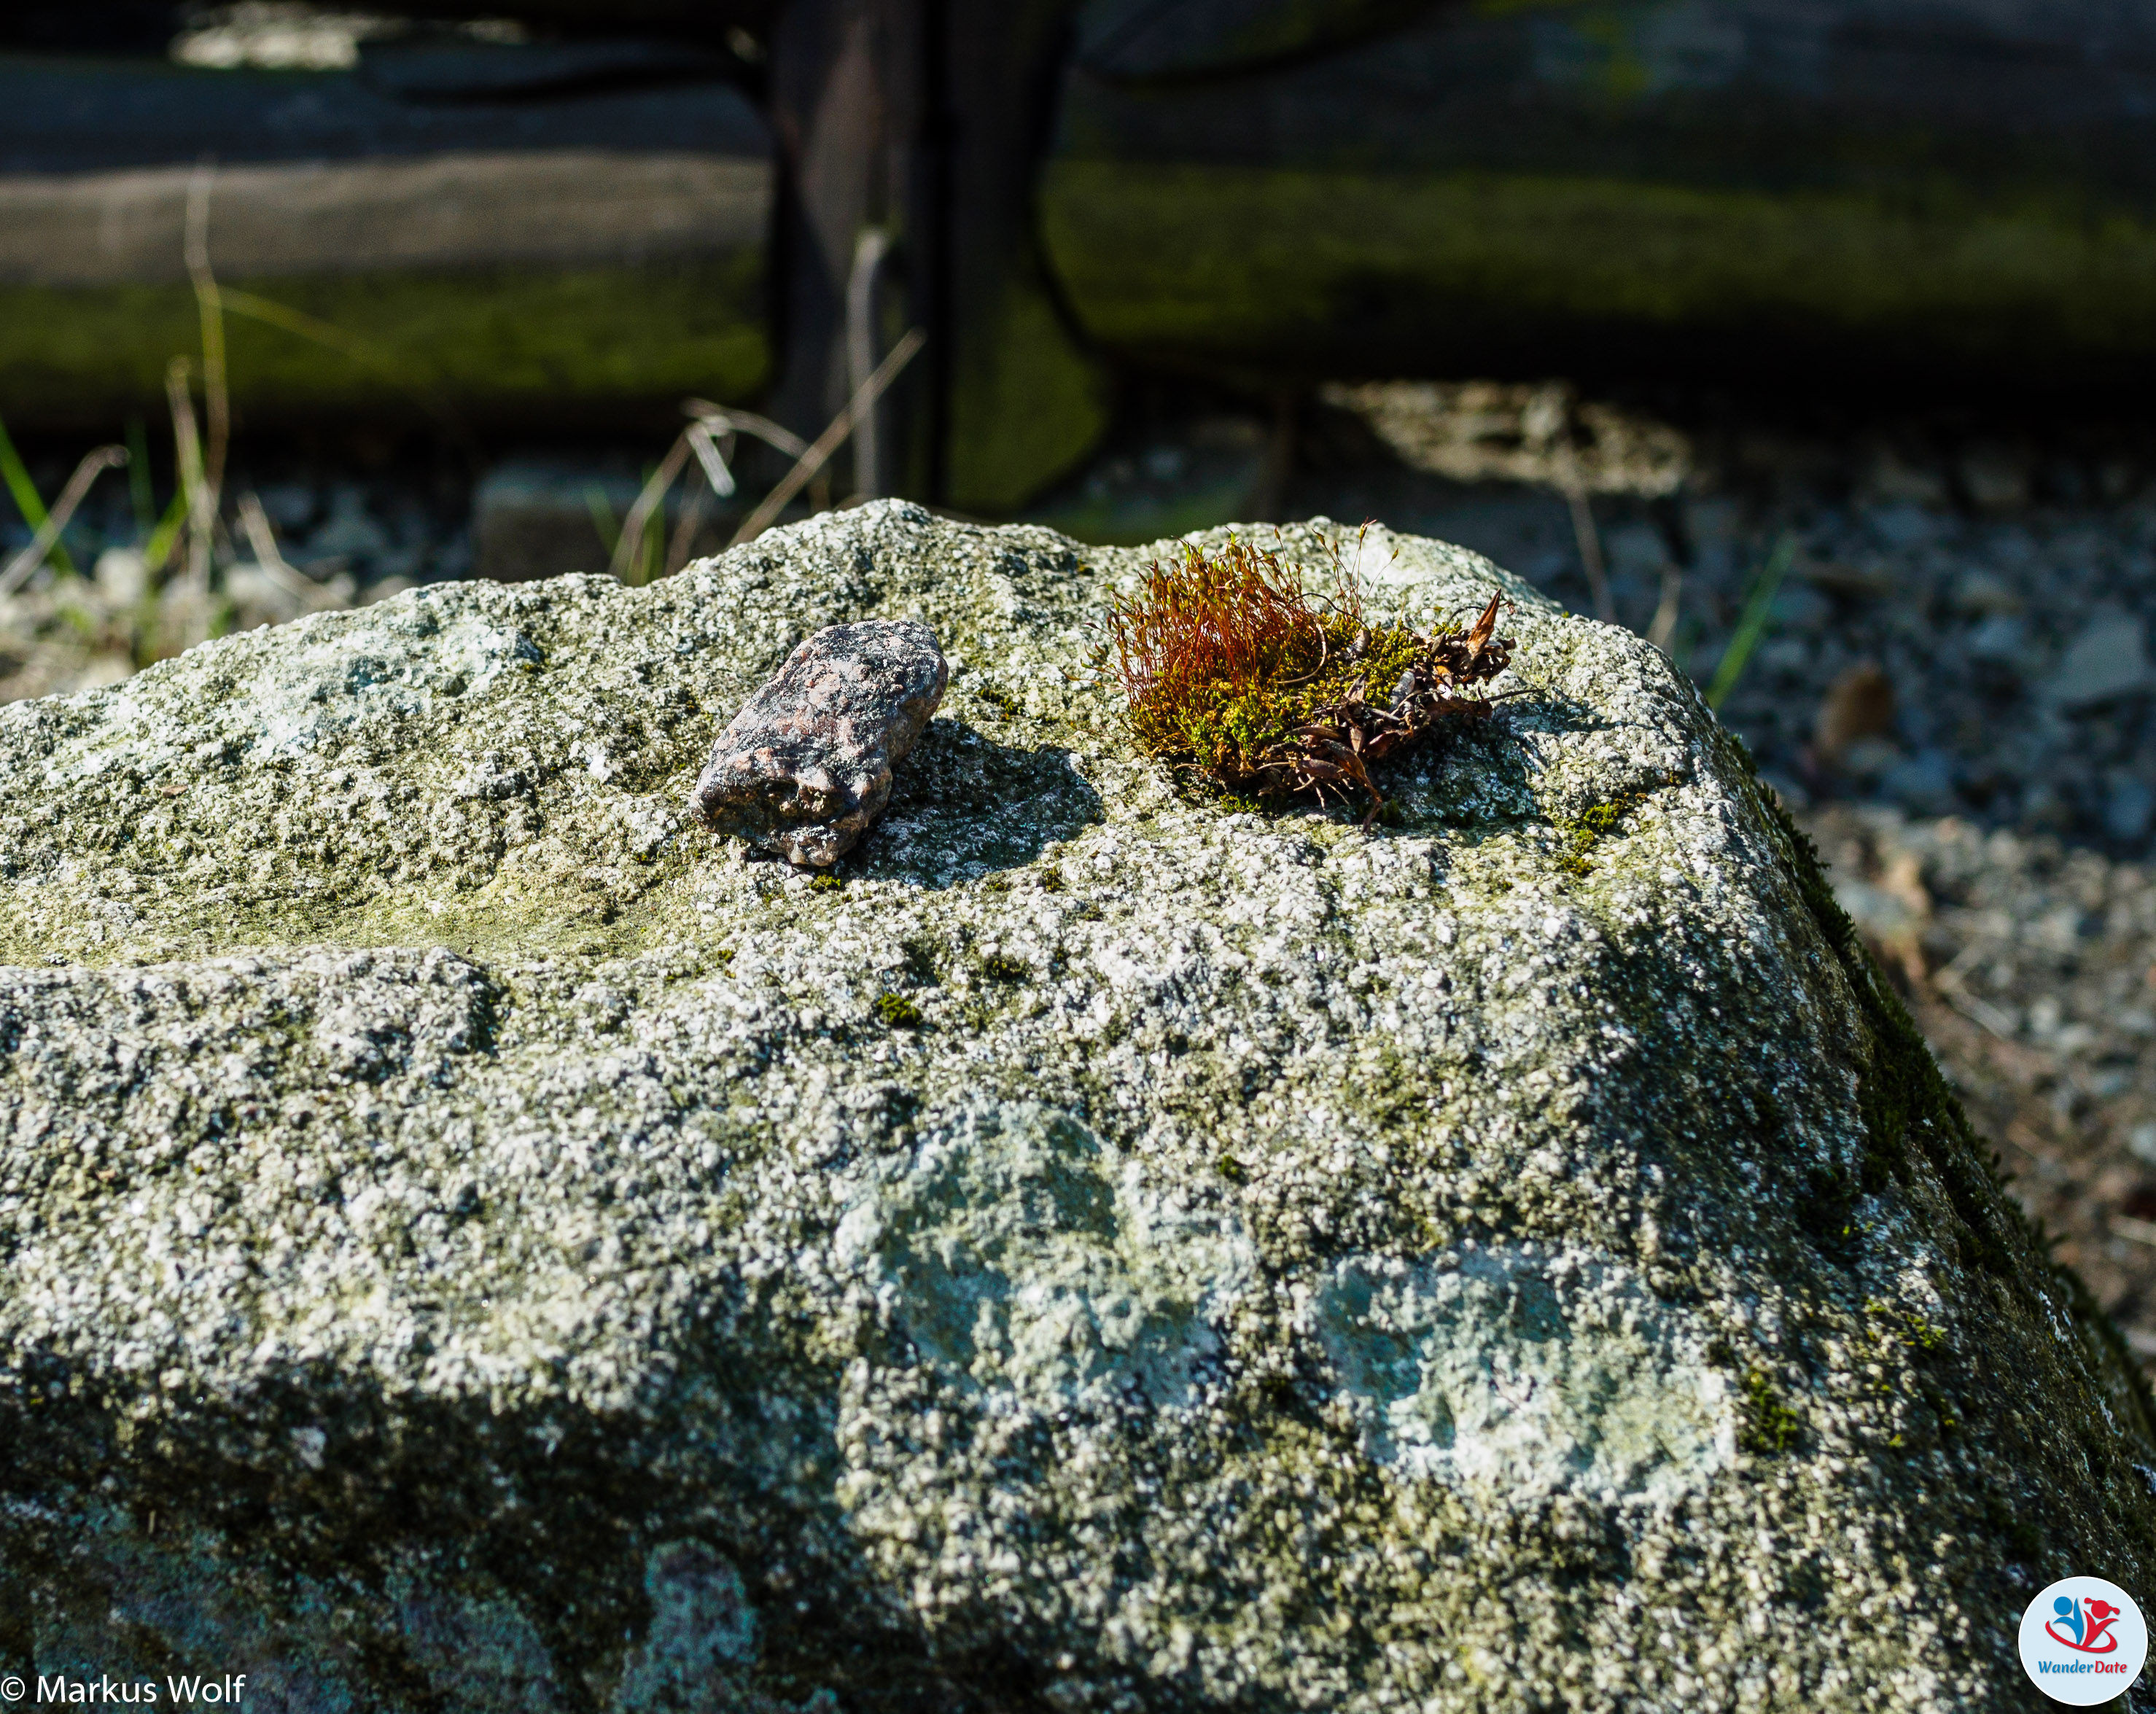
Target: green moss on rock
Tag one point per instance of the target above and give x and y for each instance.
(1769, 1426)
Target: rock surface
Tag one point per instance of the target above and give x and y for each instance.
(806, 766)
(470, 1239)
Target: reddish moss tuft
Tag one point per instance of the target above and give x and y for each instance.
(1232, 670)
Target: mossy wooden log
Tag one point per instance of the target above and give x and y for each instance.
(576, 252)
(1183, 38)
(1823, 191)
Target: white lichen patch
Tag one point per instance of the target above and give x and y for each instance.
(471, 1237)
(1017, 1251)
(1510, 1369)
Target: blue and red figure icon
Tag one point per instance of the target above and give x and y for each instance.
(2083, 1626)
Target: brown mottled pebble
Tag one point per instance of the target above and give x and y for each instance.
(806, 766)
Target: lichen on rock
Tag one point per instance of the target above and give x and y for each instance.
(471, 1239)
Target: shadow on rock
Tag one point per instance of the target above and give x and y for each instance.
(963, 805)
(1548, 711)
(1473, 775)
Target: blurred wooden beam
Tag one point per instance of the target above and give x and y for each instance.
(1833, 194)
(927, 119)
(567, 208)
(587, 254)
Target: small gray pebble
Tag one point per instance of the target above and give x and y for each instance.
(806, 766)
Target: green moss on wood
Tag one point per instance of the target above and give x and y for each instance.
(491, 341)
(1275, 270)
(1028, 404)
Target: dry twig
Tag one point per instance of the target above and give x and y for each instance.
(718, 483)
(628, 546)
(1572, 485)
(93, 465)
(188, 453)
(725, 419)
(819, 453)
(217, 401)
(287, 576)
(870, 251)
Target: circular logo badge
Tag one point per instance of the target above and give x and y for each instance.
(2083, 1641)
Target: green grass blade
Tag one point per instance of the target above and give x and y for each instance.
(414, 380)
(16, 475)
(327, 334)
(1751, 623)
(159, 548)
(654, 548)
(138, 477)
(602, 518)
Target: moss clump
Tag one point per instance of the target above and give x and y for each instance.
(999, 967)
(1584, 832)
(1766, 1424)
(1906, 1105)
(1234, 672)
(897, 1012)
(1909, 1327)
(1582, 835)
(1902, 1095)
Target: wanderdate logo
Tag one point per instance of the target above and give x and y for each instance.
(2083, 1641)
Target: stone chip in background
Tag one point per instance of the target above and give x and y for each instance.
(1859, 704)
(2105, 661)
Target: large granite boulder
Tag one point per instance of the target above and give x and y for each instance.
(471, 1238)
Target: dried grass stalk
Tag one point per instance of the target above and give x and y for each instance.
(629, 558)
(93, 466)
(188, 453)
(813, 459)
(216, 403)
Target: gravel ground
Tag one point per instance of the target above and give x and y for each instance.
(2030, 964)
(350, 540)
(1958, 626)
(1947, 679)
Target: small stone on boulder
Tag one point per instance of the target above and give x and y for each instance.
(806, 766)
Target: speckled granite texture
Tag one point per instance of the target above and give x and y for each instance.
(472, 1237)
